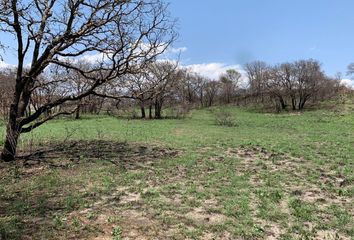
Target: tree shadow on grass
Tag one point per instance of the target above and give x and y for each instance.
(121, 154)
(36, 200)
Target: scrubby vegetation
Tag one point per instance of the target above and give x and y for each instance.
(282, 176)
(104, 134)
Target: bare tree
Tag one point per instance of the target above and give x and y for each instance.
(308, 77)
(230, 82)
(139, 88)
(186, 87)
(192, 88)
(257, 73)
(211, 92)
(7, 85)
(75, 83)
(121, 35)
(151, 86)
(162, 76)
(297, 82)
(280, 84)
(350, 69)
(291, 84)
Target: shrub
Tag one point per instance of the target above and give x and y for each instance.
(225, 118)
(179, 112)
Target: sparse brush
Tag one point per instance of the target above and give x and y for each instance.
(225, 118)
(178, 112)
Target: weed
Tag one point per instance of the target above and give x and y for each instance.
(117, 233)
(59, 220)
(225, 118)
(73, 202)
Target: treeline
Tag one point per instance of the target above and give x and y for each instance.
(286, 86)
(7, 84)
(164, 84)
(291, 85)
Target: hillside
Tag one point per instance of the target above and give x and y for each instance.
(270, 176)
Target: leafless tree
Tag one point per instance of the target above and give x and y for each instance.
(280, 84)
(137, 87)
(350, 69)
(191, 88)
(230, 82)
(162, 77)
(308, 79)
(151, 86)
(141, 90)
(7, 85)
(212, 89)
(121, 35)
(257, 73)
(297, 82)
(291, 84)
(186, 88)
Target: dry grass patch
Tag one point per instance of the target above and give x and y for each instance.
(279, 187)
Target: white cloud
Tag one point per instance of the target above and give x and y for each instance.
(348, 83)
(177, 50)
(210, 70)
(94, 58)
(214, 70)
(4, 65)
(170, 53)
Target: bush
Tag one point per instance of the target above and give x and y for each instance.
(225, 118)
(178, 112)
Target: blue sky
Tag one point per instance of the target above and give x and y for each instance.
(217, 35)
(233, 32)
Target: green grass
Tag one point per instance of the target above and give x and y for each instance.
(286, 185)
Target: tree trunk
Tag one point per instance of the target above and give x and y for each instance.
(157, 110)
(282, 103)
(143, 115)
(150, 111)
(293, 102)
(201, 96)
(302, 103)
(12, 134)
(77, 114)
(18, 109)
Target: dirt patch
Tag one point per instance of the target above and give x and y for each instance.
(213, 236)
(211, 203)
(256, 159)
(322, 199)
(174, 199)
(272, 230)
(134, 222)
(136, 225)
(176, 175)
(130, 198)
(259, 163)
(201, 217)
(329, 235)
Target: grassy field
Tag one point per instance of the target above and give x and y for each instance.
(271, 176)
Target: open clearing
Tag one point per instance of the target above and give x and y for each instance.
(273, 176)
